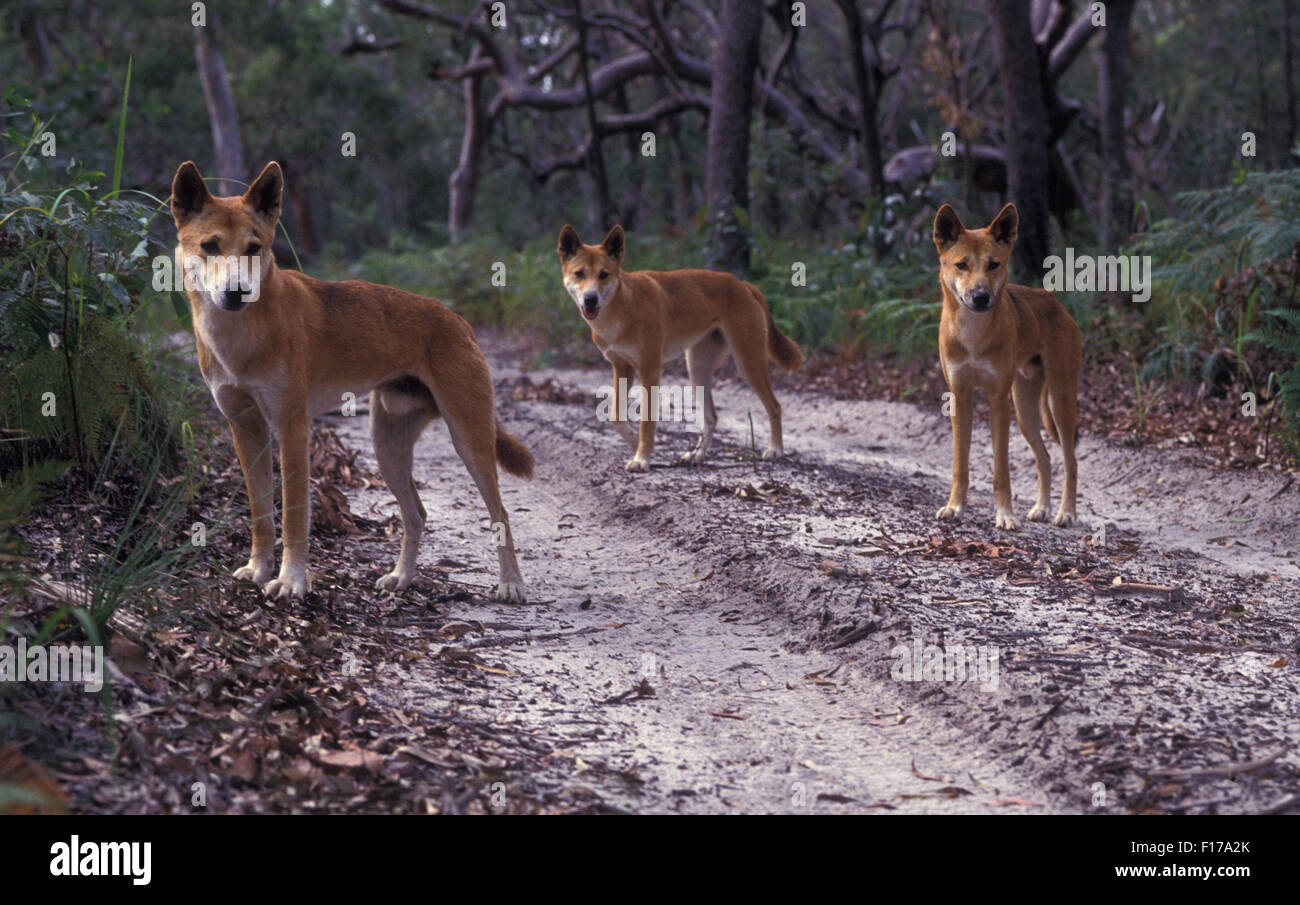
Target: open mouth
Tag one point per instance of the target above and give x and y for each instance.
(590, 313)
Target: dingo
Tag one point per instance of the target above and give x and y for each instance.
(277, 357)
(1014, 342)
(640, 319)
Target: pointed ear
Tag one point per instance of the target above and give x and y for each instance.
(615, 243)
(947, 228)
(263, 195)
(569, 243)
(189, 193)
(1004, 227)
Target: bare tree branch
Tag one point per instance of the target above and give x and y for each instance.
(1069, 47)
(354, 47)
(611, 125)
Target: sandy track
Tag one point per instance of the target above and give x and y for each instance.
(762, 623)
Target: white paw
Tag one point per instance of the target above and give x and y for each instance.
(257, 571)
(292, 583)
(1003, 519)
(694, 457)
(773, 452)
(1064, 519)
(950, 511)
(1038, 513)
(510, 592)
(395, 580)
(636, 463)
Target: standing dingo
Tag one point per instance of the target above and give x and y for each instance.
(1015, 342)
(288, 347)
(640, 319)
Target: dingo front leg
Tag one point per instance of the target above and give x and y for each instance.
(961, 423)
(623, 374)
(252, 438)
(1000, 424)
(649, 376)
(294, 580)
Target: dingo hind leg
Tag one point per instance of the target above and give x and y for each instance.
(749, 346)
(1062, 402)
(1027, 393)
(701, 361)
(399, 412)
(475, 433)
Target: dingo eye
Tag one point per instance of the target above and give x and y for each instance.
(993, 265)
(211, 246)
(962, 265)
(252, 249)
(602, 275)
(581, 275)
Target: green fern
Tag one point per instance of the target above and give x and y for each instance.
(1219, 233)
(1225, 279)
(1281, 333)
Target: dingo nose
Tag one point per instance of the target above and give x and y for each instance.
(979, 299)
(591, 299)
(234, 296)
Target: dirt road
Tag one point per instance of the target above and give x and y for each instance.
(730, 637)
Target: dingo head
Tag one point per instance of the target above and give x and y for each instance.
(973, 262)
(225, 243)
(591, 272)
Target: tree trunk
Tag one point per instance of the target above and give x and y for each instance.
(735, 60)
(1025, 132)
(596, 159)
(221, 110)
(463, 184)
(628, 209)
(1288, 73)
(1112, 85)
(31, 31)
(684, 204)
(872, 162)
(298, 187)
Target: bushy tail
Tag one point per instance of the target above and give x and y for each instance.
(512, 454)
(784, 350)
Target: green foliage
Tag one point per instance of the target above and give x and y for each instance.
(850, 298)
(81, 377)
(462, 277)
(1226, 275)
(1281, 333)
(74, 272)
(16, 501)
(1222, 230)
